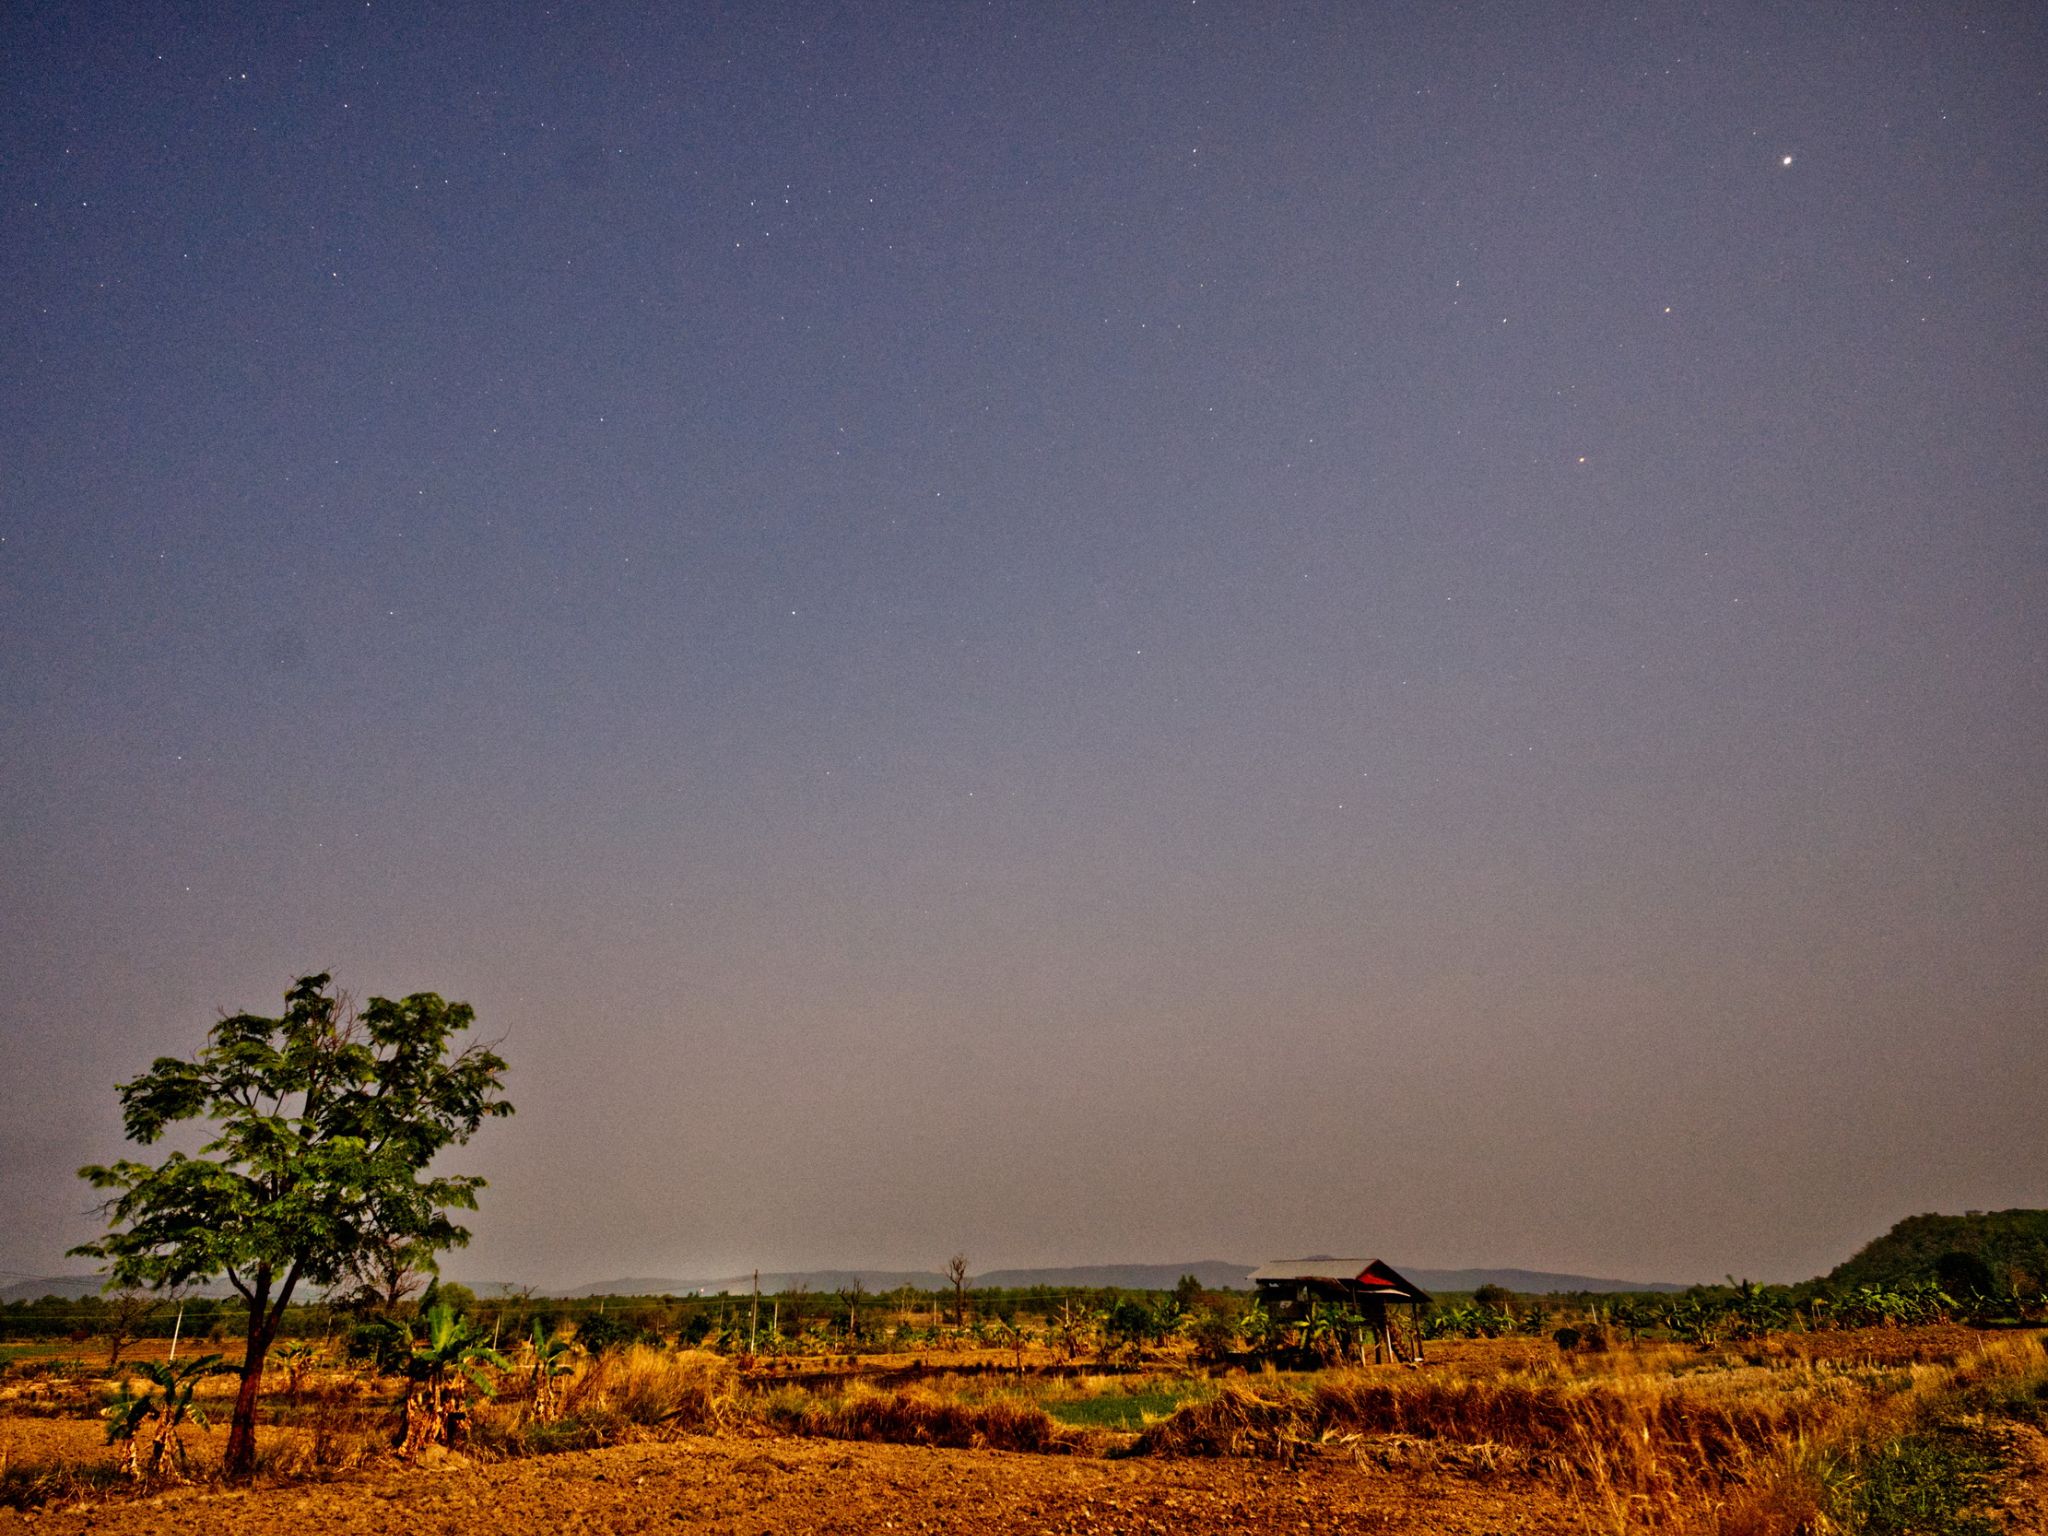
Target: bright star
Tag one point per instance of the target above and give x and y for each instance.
(1784, 160)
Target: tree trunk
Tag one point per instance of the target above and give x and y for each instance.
(239, 1459)
(265, 1316)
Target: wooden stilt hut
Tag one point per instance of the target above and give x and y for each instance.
(1363, 1288)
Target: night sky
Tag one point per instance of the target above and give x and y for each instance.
(1076, 633)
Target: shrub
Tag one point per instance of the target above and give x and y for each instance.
(1211, 1333)
(601, 1331)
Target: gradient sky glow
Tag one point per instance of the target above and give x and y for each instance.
(1072, 632)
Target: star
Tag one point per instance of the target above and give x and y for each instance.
(1783, 161)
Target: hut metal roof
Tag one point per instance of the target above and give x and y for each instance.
(1367, 1274)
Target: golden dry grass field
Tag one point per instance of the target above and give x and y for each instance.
(1785, 1434)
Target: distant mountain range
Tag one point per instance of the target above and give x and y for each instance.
(1215, 1275)
(75, 1287)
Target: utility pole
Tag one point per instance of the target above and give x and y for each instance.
(754, 1320)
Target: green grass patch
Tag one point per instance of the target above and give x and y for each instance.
(9, 1353)
(1931, 1484)
(1125, 1411)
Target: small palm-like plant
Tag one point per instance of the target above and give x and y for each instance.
(1070, 1330)
(1354, 1333)
(1257, 1328)
(441, 1368)
(1010, 1335)
(1756, 1310)
(1694, 1321)
(163, 1406)
(297, 1358)
(1319, 1331)
(550, 1355)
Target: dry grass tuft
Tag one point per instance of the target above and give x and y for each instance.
(918, 1416)
(1235, 1422)
(332, 1429)
(674, 1390)
(1739, 1450)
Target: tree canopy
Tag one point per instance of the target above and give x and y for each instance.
(325, 1121)
(2012, 1245)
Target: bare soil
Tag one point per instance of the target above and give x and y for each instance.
(746, 1487)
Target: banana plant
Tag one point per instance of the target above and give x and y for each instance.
(1071, 1330)
(297, 1358)
(1756, 1310)
(441, 1368)
(1010, 1335)
(1631, 1317)
(1319, 1334)
(551, 1355)
(165, 1410)
(1694, 1321)
(1257, 1329)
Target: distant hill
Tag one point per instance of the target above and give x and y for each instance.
(872, 1281)
(77, 1287)
(1529, 1282)
(2014, 1243)
(1215, 1275)
(36, 1287)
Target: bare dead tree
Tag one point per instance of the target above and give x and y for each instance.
(956, 1271)
(124, 1315)
(851, 1295)
(387, 1275)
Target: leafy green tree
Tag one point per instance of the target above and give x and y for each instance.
(324, 1120)
(1494, 1298)
(1127, 1327)
(602, 1331)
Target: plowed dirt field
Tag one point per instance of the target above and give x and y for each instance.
(753, 1486)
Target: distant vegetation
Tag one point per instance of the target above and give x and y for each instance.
(2011, 1245)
